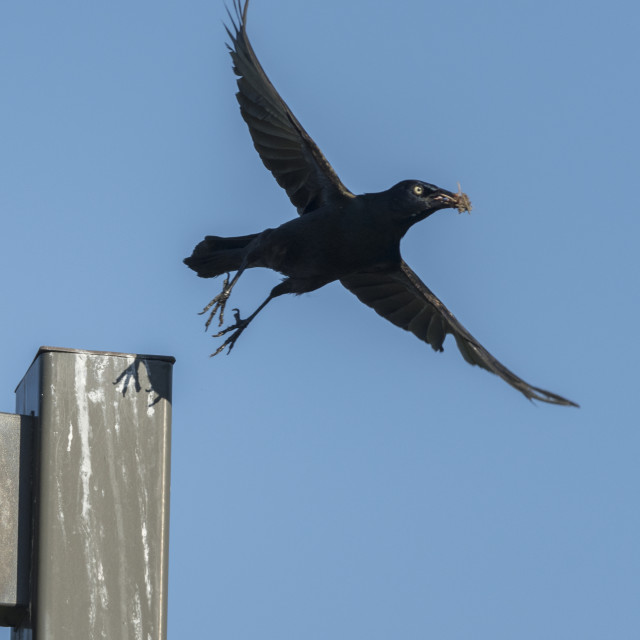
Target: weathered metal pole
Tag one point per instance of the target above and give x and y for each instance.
(16, 469)
(101, 495)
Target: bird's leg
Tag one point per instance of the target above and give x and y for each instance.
(238, 327)
(290, 285)
(219, 302)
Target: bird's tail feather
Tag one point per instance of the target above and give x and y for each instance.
(216, 255)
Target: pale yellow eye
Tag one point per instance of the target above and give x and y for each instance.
(418, 190)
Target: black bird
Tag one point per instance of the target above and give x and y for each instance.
(338, 236)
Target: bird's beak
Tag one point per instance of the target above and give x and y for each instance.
(459, 201)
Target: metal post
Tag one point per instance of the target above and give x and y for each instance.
(101, 511)
(16, 437)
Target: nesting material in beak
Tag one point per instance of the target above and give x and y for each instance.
(462, 201)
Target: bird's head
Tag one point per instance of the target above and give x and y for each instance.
(414, 200)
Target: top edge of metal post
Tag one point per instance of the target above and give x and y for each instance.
(142, 356)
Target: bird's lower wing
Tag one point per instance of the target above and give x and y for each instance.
(403, 299)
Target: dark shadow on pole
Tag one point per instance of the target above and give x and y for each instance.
(157, 387)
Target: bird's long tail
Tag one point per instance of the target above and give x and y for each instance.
(216, 255)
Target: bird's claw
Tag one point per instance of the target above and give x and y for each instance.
(218, 303)
(238, 327)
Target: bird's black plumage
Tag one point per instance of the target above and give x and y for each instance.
(338, 236)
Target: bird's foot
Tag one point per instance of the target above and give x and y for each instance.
(218, 304)
(238, 327)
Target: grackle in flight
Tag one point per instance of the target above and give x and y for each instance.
(338, 235)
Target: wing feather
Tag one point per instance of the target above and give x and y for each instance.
(403, 299)
(285, 148)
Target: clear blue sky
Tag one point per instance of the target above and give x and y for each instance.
(333, 477)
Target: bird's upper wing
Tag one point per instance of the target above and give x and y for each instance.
(402, 298)
(284, 146)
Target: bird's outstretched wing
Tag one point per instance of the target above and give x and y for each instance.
(402, 298)
(286, 149)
